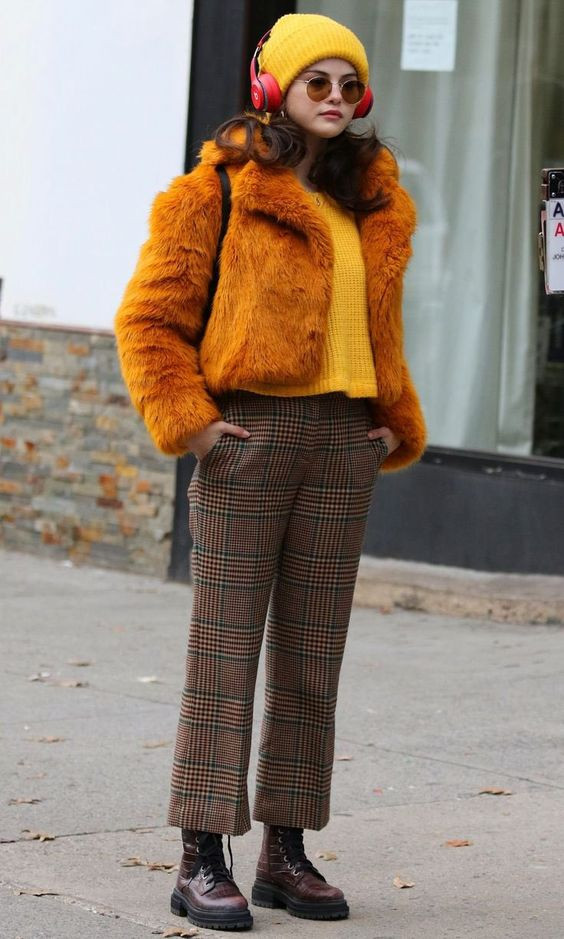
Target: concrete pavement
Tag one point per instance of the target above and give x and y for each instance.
(432, 710)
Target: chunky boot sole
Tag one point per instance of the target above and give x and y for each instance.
(180, 906)
(270, 895)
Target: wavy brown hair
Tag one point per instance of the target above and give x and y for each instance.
(337, 171)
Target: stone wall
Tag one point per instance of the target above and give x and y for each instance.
(79, 476)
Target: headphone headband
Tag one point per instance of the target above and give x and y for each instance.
(265, 91)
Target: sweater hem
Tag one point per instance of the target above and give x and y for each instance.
(352, 390)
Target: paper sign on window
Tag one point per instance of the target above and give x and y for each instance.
(429, 35)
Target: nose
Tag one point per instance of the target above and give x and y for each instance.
(335, 95)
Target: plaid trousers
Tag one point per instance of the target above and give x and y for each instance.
(277, 521)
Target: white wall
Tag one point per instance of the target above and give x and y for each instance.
(93, 97)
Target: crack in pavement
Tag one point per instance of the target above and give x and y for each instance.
(82, 903)
(82, 834)
(436, 759)
(101, 690)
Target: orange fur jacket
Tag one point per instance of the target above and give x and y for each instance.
(269, 314)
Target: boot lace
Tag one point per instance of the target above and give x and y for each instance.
(292, 843)
(211, 860)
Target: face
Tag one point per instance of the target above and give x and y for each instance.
(326, 118)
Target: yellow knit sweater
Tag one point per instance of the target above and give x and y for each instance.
(348, 363)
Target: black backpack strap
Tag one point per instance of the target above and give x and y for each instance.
(225, 211)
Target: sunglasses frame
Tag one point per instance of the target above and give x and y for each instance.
(330, 85)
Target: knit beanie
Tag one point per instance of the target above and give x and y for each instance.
(297, 40)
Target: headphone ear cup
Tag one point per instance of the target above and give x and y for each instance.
(364, 105)
(265, 93)
(257, 95)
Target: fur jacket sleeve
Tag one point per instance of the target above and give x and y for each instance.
(160, 315)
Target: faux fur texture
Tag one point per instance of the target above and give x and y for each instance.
(269, 315)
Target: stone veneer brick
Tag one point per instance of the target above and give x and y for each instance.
(79, 476)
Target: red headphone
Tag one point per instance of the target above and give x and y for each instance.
(267, 96)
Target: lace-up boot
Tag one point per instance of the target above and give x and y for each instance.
(205, 890)
(286, 878)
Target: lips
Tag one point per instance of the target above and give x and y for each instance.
(331, 114)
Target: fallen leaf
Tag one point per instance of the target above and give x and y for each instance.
(71, 683)
(378, 791)
(458, 843)
(150, 865)
(37, 835)
(175, 931)
(39, 676)
(80, 663)
(398, 882)
(23, 801)
(146, 679)
(37, 776)
(496, 792)
(385, 609)
(49, 739)
(37, 892)
(345, 756)
(153, 744)
(326, 855)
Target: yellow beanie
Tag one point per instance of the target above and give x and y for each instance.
(297, 40)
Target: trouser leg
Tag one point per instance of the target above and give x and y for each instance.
(309, 616)
(240, 498)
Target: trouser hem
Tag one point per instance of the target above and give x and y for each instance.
(290, 819)
(213, 818)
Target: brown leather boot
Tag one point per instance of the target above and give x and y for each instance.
(205, 890)
(285, 877)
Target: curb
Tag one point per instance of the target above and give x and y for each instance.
(530, 599)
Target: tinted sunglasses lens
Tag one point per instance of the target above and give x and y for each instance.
(352, 91)
(318, 88)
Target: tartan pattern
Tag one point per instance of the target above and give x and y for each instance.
(278, 521)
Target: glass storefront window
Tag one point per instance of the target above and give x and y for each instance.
(485, 346)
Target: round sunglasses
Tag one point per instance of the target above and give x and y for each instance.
(318, 88)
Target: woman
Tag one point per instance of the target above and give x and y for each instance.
(295, 398)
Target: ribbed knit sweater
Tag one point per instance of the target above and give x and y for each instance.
(348, 363)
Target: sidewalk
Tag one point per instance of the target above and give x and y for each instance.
(432, 710)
